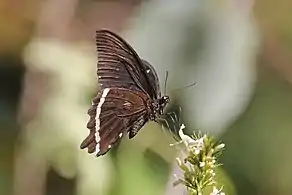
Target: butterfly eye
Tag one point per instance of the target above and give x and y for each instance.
(166, 99)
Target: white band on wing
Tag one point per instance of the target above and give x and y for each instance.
(97, 120)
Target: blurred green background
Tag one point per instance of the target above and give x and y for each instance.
(238, 52)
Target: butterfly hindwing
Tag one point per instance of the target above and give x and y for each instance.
(112, 115)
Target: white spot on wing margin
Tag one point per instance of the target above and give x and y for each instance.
(97, 121)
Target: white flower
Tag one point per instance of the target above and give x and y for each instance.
(203, 160)
(199, 142)
(185, 138)
(197, 151)
(202, 164)
(217, 192)
(220, 146)
(176, 176)
(212, 163)
(179, 161)
(196, 144)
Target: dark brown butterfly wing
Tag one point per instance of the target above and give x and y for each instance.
(113, 113)
(153, 78)
(120, 66)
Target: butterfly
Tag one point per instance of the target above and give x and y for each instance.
(129, 94)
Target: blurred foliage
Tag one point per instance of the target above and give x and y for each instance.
(11, 71)
(258, 155)
(16, 24)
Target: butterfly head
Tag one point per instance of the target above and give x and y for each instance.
(163, 101)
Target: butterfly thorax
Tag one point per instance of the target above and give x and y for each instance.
(157, 106)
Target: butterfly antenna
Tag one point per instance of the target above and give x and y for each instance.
(165, 82)
(185, 87)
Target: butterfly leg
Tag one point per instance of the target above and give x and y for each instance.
(165, 122)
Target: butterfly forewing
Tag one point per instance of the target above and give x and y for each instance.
(153, 78)
(119, 65)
